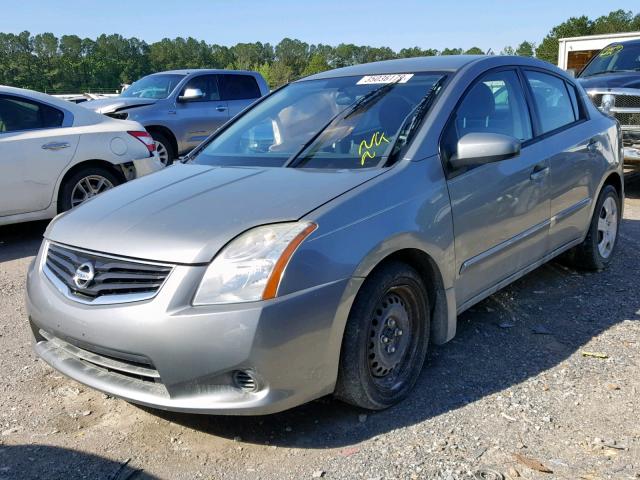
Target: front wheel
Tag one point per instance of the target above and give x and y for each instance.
(596, 251)
(385, 340)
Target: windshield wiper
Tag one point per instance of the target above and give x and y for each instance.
(413, 121)
(359, 104)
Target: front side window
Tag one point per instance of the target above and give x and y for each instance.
(207, 84)
(239, 87)
(154, 86)
(336, 123)
(18, 114)
(494, 104)
(614, 58)
(554, 105)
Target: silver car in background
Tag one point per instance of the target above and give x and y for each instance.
(319, 242)
(181, 108)
(55, 155)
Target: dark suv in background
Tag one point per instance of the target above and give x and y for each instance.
(612, 80)
(180, 108)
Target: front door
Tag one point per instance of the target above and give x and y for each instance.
(35, 147)
(199, 118)
(501, 209)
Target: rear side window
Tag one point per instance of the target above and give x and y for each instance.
(494, 104)
(17, 114)
(239, 87)
(552, 99)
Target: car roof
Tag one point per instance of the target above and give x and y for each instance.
(442, 63)
(82, 116)
(188, 71)
(626, 42)
(43, 97)
(439, 63)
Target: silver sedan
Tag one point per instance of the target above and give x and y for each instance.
(321, 241)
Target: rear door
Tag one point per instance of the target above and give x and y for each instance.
(199, 118)
(36, 144)
(239, 91)
(501, 209)
(574, 150)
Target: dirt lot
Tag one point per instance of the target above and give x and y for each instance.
(514, 388)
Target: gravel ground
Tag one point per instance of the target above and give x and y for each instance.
(521, 389)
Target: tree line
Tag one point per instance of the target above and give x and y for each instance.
(72, 64)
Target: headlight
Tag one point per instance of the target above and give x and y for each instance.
(250, 267)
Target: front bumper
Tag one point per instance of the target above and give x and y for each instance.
(166, 354)
(147, 165)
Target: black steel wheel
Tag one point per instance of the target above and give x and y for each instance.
(385, 340)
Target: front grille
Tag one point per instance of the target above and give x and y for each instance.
(113, 278)
(621, 101)
(627, 119)
(628, 101)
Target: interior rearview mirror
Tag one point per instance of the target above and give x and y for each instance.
(191, 94)
(571, 72)
(481, 148)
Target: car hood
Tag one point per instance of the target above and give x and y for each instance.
(612, 80)
(113, 104)
(186, 213)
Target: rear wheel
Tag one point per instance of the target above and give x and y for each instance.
(385, 340)
(596, 252)
(85, 184)
(164, 147)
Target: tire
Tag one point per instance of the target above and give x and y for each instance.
(164, 147)
(597, 249)
(71, 191)
(369, 376)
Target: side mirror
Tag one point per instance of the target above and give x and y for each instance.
(191, 94)
(481, 148)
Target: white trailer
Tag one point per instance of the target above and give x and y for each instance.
(575, 52)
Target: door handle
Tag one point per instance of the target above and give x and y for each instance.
(55, 145)
(539, 172)
(221, 108)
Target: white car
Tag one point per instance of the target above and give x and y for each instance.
(54, 154)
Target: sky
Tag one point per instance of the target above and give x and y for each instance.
(394, 23)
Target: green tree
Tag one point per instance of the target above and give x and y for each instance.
(292, 54)
(416, 52)
(508, 50)
(317, 64)
(474, 51)
(451, 51)
(526, 49)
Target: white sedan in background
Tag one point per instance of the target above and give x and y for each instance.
(54, 155)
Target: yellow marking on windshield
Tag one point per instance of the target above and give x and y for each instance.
(611, 50)
(376, 139)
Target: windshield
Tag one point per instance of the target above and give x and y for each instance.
(614, 58)
(337, 123)
(153, 86)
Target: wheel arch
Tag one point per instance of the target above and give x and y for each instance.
(115, 169)
(443, 317)
(167, 133)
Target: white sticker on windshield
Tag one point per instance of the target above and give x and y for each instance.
(395, 77)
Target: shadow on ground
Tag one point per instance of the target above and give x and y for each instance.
(53, 463)
(21, 240)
